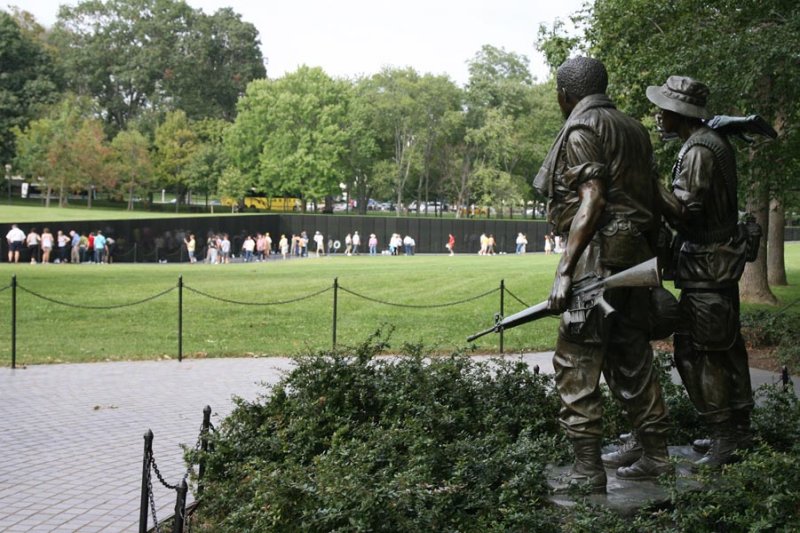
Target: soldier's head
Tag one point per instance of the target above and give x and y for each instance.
(681, 102)
(578, 78)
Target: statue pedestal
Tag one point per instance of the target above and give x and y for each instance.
(627, 497)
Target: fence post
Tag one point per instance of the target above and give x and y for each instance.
(143, 503)
(335, 304)
(502, 309)
(180, 508)
(180, 318)
(14, 321)
(203, 448)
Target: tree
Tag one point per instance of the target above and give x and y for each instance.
(498, 137)
(221, 54)
(751, 67)
(64, 150)
(208, 160)
(28, 82)
(131, 55)
(175, 146)
(289, 135)
(392, 96)
(132, 165)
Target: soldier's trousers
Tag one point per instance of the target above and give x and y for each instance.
(711, 356)
(626, 361)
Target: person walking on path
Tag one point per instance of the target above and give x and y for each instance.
(451, 244)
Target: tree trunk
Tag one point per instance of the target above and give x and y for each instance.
(47, 198)
(776, 268)
(753, 286)
(130, 198)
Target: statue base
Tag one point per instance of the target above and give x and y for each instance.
(627, 497)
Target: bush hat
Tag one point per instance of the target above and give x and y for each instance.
(682, 95)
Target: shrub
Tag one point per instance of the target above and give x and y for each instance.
(366, 443)
(349, 441)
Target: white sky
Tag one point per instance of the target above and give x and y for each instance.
(352, 37)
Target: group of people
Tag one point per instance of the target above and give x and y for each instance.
(605, 197)
(71, 247)
(553, 244)
(259, 247)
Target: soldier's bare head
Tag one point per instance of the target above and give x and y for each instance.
(581, 76)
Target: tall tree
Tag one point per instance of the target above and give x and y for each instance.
(132, 165)
(220, 55)
(175, 145)
(498, 136)
(392, 95)
(50, 149)
(29, 79)
(131, 55)
(289, 135)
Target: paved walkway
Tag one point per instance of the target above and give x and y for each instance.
(72, 435)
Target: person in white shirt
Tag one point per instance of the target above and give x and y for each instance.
(356, 242)
(319, 239)
(15, 238)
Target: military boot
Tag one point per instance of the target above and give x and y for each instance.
(654, 460)
(701, 445)
(625, 455)
(723, 446)
(741, 433)
(587, 473)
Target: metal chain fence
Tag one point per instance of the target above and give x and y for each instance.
(148, 506)
(418, 306)
(502, 289)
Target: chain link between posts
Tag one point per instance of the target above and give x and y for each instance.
(515, 297)
(153, 467)
(97, 307)
(5, 288)
(419, 306)
(239, 302)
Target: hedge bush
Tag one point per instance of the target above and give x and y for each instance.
(349, 441)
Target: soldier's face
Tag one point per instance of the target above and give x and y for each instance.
(564, 103)
(666, 121)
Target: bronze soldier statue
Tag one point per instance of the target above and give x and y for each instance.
(711, 250)
(602, 188)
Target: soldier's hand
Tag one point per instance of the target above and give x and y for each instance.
(559, 294)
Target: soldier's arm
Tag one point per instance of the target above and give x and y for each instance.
(587, 174)
(689, 188)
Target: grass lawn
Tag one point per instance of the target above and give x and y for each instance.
(25, 214)
(49, 332)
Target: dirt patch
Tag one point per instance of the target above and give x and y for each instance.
(761, 357)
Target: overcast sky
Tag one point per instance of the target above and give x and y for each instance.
(352, 37)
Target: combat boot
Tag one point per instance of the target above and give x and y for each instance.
(625, 455)
(654, 460)
(587, 473)
(741, 433)
(701, 445)
(723, 446)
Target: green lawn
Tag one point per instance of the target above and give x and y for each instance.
(25, 214)
(51, 332)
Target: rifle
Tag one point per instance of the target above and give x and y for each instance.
(588, 292)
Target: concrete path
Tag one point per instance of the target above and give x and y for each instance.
(72, 435)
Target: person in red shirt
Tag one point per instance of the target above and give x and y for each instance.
(451, 243)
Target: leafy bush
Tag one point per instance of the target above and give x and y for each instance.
(781, 329)
(349, 441)
(365, 443)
